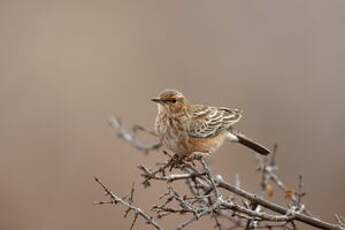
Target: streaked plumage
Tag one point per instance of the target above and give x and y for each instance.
(185, 128)
(209, 121)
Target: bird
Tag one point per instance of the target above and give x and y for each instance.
(186, 128)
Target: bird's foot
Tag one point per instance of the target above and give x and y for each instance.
(196, 156)
(175, 161)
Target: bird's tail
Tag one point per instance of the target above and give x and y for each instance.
(242, 139)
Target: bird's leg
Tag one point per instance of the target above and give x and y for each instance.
(175, 160)
(180, 160)
(196, 156)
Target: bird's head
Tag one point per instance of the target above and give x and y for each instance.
(171, 100)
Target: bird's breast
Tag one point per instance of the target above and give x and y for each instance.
(173, 132)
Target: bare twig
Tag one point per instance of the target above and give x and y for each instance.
(340, 220)
(131, 137)
(313, 221)
(137, 211)
(210, 177)
(210, 195)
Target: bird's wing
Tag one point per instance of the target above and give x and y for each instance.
(209, 121)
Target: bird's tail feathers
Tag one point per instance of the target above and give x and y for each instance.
(242, 139)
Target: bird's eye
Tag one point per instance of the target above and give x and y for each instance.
(173, 100)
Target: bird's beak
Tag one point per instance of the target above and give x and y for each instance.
(156, 100)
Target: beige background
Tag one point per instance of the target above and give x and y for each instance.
(66, 65)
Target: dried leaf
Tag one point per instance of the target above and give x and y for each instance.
(289, 194)
(269, 190)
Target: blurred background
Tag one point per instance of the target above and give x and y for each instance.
(65, 66)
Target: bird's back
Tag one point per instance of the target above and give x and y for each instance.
(209, 121)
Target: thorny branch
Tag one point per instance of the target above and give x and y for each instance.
(114, 199)
(131, 136)
(230, 206)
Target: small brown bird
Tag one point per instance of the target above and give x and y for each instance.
(185, 128)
